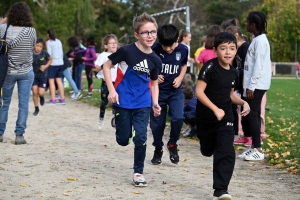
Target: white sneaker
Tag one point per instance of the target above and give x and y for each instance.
(77, 95)
(255, 155)
(73, 96)
(245, 153)
(139, 180)
(186, 132)
(100, 123)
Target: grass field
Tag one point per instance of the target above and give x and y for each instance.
(282, 122)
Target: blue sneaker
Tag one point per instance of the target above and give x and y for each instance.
(61, 102)
(51, 102)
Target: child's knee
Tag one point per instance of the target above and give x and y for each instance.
(122, 142)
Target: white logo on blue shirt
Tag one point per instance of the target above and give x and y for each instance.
(142, 66)
(169, 69)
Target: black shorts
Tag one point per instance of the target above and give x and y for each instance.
(40, 82)
(55, 71)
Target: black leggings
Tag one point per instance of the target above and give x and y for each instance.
(251, 123)
(89, 76)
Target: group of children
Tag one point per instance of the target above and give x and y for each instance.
(145, 80)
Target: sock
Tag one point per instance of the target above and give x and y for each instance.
(53, 99)
(37, 108)
(171, 145)
(158, 148)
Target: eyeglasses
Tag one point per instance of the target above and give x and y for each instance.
(147, 33)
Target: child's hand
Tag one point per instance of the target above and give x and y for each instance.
(72, 54)
(176, 82)
(113, 97)
(43, 68)
(84, 58)
(97, 69)
(156, 109)
(250, 94)
(160, 79)
(246, 109)
(219, 114)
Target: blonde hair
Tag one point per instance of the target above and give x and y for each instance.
(142, 19)
(106, 40)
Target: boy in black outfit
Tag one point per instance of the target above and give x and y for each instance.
(214, 118)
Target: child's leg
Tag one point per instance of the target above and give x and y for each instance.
(253, 118)
(140, 119)
(206, 135)
(157, 125)
(176, 105)
(89, 78)
(224, 156)
(123, 121)
(262, 113)
(52, 88)
(104, 101)
(35, 90)
(236, 119)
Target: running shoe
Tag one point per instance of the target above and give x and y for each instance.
(173, 152)
(156, 160)
(139, 180)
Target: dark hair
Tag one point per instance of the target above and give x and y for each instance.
(51, 33)
(234, 30)
(182, 34)
(212, 31)
(167, 34)
(40, 40)
(91, 40)
(224, 37)
(229, 22)
(188, 91)
(260, 21)
(20, 15)
(193, 77)
(73, 42)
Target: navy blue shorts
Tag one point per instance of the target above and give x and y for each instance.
(55, 71)
(40, 82)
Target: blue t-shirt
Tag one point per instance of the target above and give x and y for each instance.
(171, 64)
(132, 82)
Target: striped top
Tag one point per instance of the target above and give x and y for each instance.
(21, 41)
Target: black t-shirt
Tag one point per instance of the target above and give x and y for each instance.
(38, 60)
(239, 64)
(78, 57)
(219, 85)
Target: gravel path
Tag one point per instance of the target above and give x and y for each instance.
(68, 158)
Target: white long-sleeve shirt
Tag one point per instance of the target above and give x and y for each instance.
(257, 68)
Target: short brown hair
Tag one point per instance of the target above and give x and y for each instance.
(212, 31)
(142, 19)
(229, 22)
(234, 30)
(20, 15)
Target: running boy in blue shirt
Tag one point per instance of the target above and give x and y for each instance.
(131, 92)
(171, 99)
(214, 117)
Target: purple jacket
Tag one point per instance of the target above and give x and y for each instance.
(89, 54)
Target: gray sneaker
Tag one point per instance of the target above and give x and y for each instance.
(20, 140)
(1, 138)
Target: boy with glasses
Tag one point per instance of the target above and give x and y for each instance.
(131, 92)
(171, 99)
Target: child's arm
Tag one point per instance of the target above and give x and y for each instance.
(154, 93)
(44, 67)
(201, 96)
(177, 81)
(94, 56)
(238, 101)
(113, 96)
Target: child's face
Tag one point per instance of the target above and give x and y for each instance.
(147, 34)
(170, 49)
(38, 47)
(226, 53)
(250, 27)
(187, 38)
(111, 46)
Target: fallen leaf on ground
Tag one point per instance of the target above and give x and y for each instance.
(72, 179)
(23, 185)
(67, 194)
